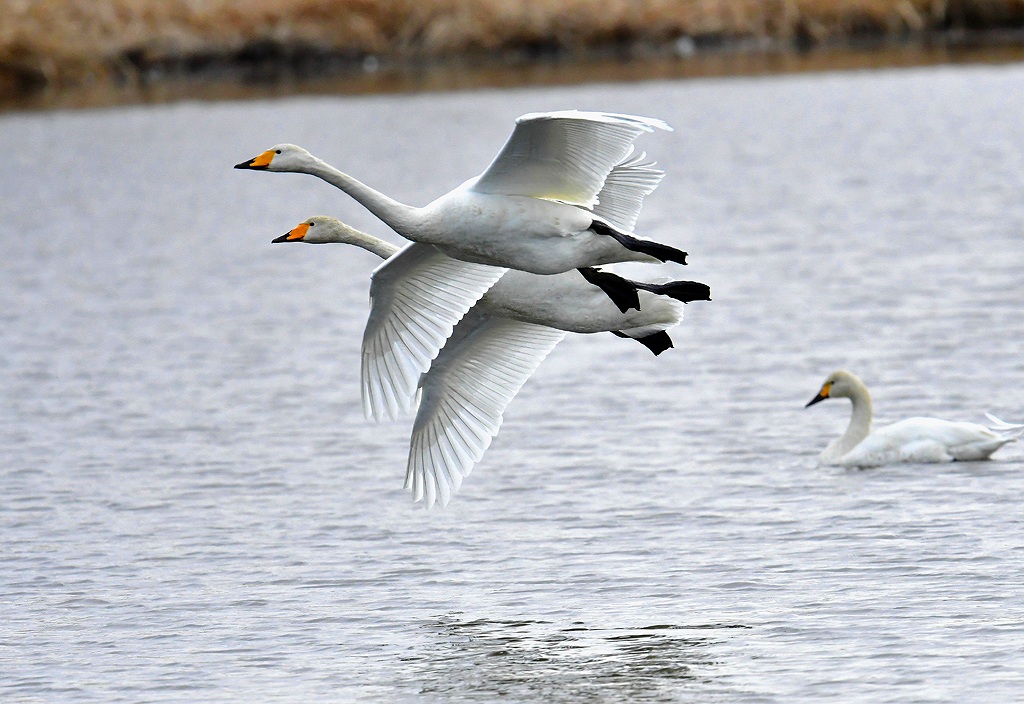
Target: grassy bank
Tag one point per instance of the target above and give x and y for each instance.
(47, 43)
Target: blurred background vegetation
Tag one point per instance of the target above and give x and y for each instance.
(49, 44)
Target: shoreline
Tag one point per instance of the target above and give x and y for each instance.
(330, 75)
(74, 53)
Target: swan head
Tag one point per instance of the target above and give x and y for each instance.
(283, 157)
(320, 230)
(838, 384)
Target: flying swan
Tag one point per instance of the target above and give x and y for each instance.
(564, 193)
(495, 349)
(911, 440)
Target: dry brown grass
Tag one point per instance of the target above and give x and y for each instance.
(61, 41)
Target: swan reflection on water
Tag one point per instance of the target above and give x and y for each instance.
(543, 661)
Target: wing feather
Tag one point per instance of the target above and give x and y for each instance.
(623, 193)
(465, 393)
(564, 156)
(416, 298)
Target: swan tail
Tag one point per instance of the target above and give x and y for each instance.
(622, 291)
(656, 342)
(685, 291)
(661, 252)
(1000, 424)
(1009, 431)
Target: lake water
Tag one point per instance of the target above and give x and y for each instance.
(192, 507)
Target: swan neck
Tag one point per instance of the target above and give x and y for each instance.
(400, 217)
(860, 419)
(382, 248)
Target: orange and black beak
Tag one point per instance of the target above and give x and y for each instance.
(294, 235)
(822, 395)
(260, 162)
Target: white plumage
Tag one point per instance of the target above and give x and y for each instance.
(922, 440)
(532, 209)
(490, 354)
(416, 298)
(465, 394)
(539, 207)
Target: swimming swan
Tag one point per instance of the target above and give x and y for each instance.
(495, 349)
(911, 440)
(435, 290)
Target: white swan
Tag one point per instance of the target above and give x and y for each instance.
(507, 217)
(497, 346)
(532, 209)
(911, 440)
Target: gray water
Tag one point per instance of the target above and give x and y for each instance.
(193, 508)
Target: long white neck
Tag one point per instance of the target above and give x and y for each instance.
(860, 423)
(400, 217)
(382, 248)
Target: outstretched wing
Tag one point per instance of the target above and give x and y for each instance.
(416, 298)
(564, 156)
(472, 381)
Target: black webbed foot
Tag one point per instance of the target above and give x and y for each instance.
(661, 252)
(622, 291)
(685, 291)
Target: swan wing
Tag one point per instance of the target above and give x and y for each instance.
(472, 381)
(564, 156)
(416, 298)
(623, 193)
(944, 432)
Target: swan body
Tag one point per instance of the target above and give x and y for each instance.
(529, 234)
(532, 209)
(563, 194)
(918, 440)
(565, 301)
(568, 302)
(494, 350)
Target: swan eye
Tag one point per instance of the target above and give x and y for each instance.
(277, 151)
(311, 223)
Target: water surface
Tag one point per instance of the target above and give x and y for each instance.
(193, 508)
